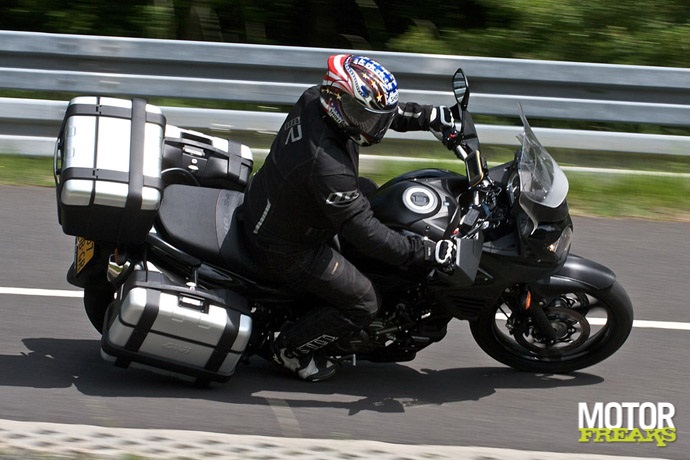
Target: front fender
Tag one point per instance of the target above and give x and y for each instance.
(580, 272)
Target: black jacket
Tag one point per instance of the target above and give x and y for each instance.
(307, 190)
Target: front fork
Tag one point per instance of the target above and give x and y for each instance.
(530, 301)
(525, 302)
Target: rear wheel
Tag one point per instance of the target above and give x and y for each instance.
(96, 301)
(589, 326)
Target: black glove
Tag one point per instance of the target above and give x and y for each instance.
(440, 120)
(442, 125)
(440, 254)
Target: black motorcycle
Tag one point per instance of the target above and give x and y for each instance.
(530, 303)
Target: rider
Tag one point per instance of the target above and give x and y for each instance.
(308, 191)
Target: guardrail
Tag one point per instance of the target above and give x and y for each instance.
(276, 76)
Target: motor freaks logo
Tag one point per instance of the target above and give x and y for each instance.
(627, 422)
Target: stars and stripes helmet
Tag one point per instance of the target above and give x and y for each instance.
(360, 96)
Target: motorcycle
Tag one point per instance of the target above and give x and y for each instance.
(530, 303)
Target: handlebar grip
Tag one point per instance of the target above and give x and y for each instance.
(460, 152)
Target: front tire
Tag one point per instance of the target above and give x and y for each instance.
(591, 325)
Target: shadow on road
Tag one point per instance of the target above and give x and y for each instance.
(385, 388)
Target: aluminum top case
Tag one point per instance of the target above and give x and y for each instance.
(108, 168)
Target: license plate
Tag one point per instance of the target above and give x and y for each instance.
(84, 251)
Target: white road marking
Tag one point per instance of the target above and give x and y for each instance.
(675, 325)
(41, 292)
(640, 323)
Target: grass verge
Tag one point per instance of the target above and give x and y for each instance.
(26, 170)
(598, 194)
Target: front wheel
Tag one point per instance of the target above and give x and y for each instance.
(589, 325)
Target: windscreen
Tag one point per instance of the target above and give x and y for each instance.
(542, 182)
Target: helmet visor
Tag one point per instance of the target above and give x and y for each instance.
(372, 124)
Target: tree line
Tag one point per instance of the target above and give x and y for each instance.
(654, 32)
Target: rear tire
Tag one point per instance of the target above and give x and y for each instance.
(581, 344)
(96, 301)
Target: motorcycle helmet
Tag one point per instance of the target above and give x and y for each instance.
(360, 96)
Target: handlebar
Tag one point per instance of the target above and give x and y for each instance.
(479, 214)
(454, 140)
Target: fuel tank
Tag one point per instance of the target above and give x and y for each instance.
(421, 201)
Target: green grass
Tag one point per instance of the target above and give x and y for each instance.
(650, 197)
(24, 170)
(598, 194)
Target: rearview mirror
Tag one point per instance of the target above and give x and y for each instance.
(461, 89)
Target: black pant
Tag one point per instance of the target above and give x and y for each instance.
(349, 299)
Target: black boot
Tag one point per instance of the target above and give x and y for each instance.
(311, 366)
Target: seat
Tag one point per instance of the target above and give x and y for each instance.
(203, 222)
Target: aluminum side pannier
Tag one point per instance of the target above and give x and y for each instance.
(161, 324)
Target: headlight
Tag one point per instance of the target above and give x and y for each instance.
(561, 246)
(549, 242)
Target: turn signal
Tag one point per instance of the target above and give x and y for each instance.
(526, 300)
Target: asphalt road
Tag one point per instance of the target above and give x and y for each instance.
(452, 394)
